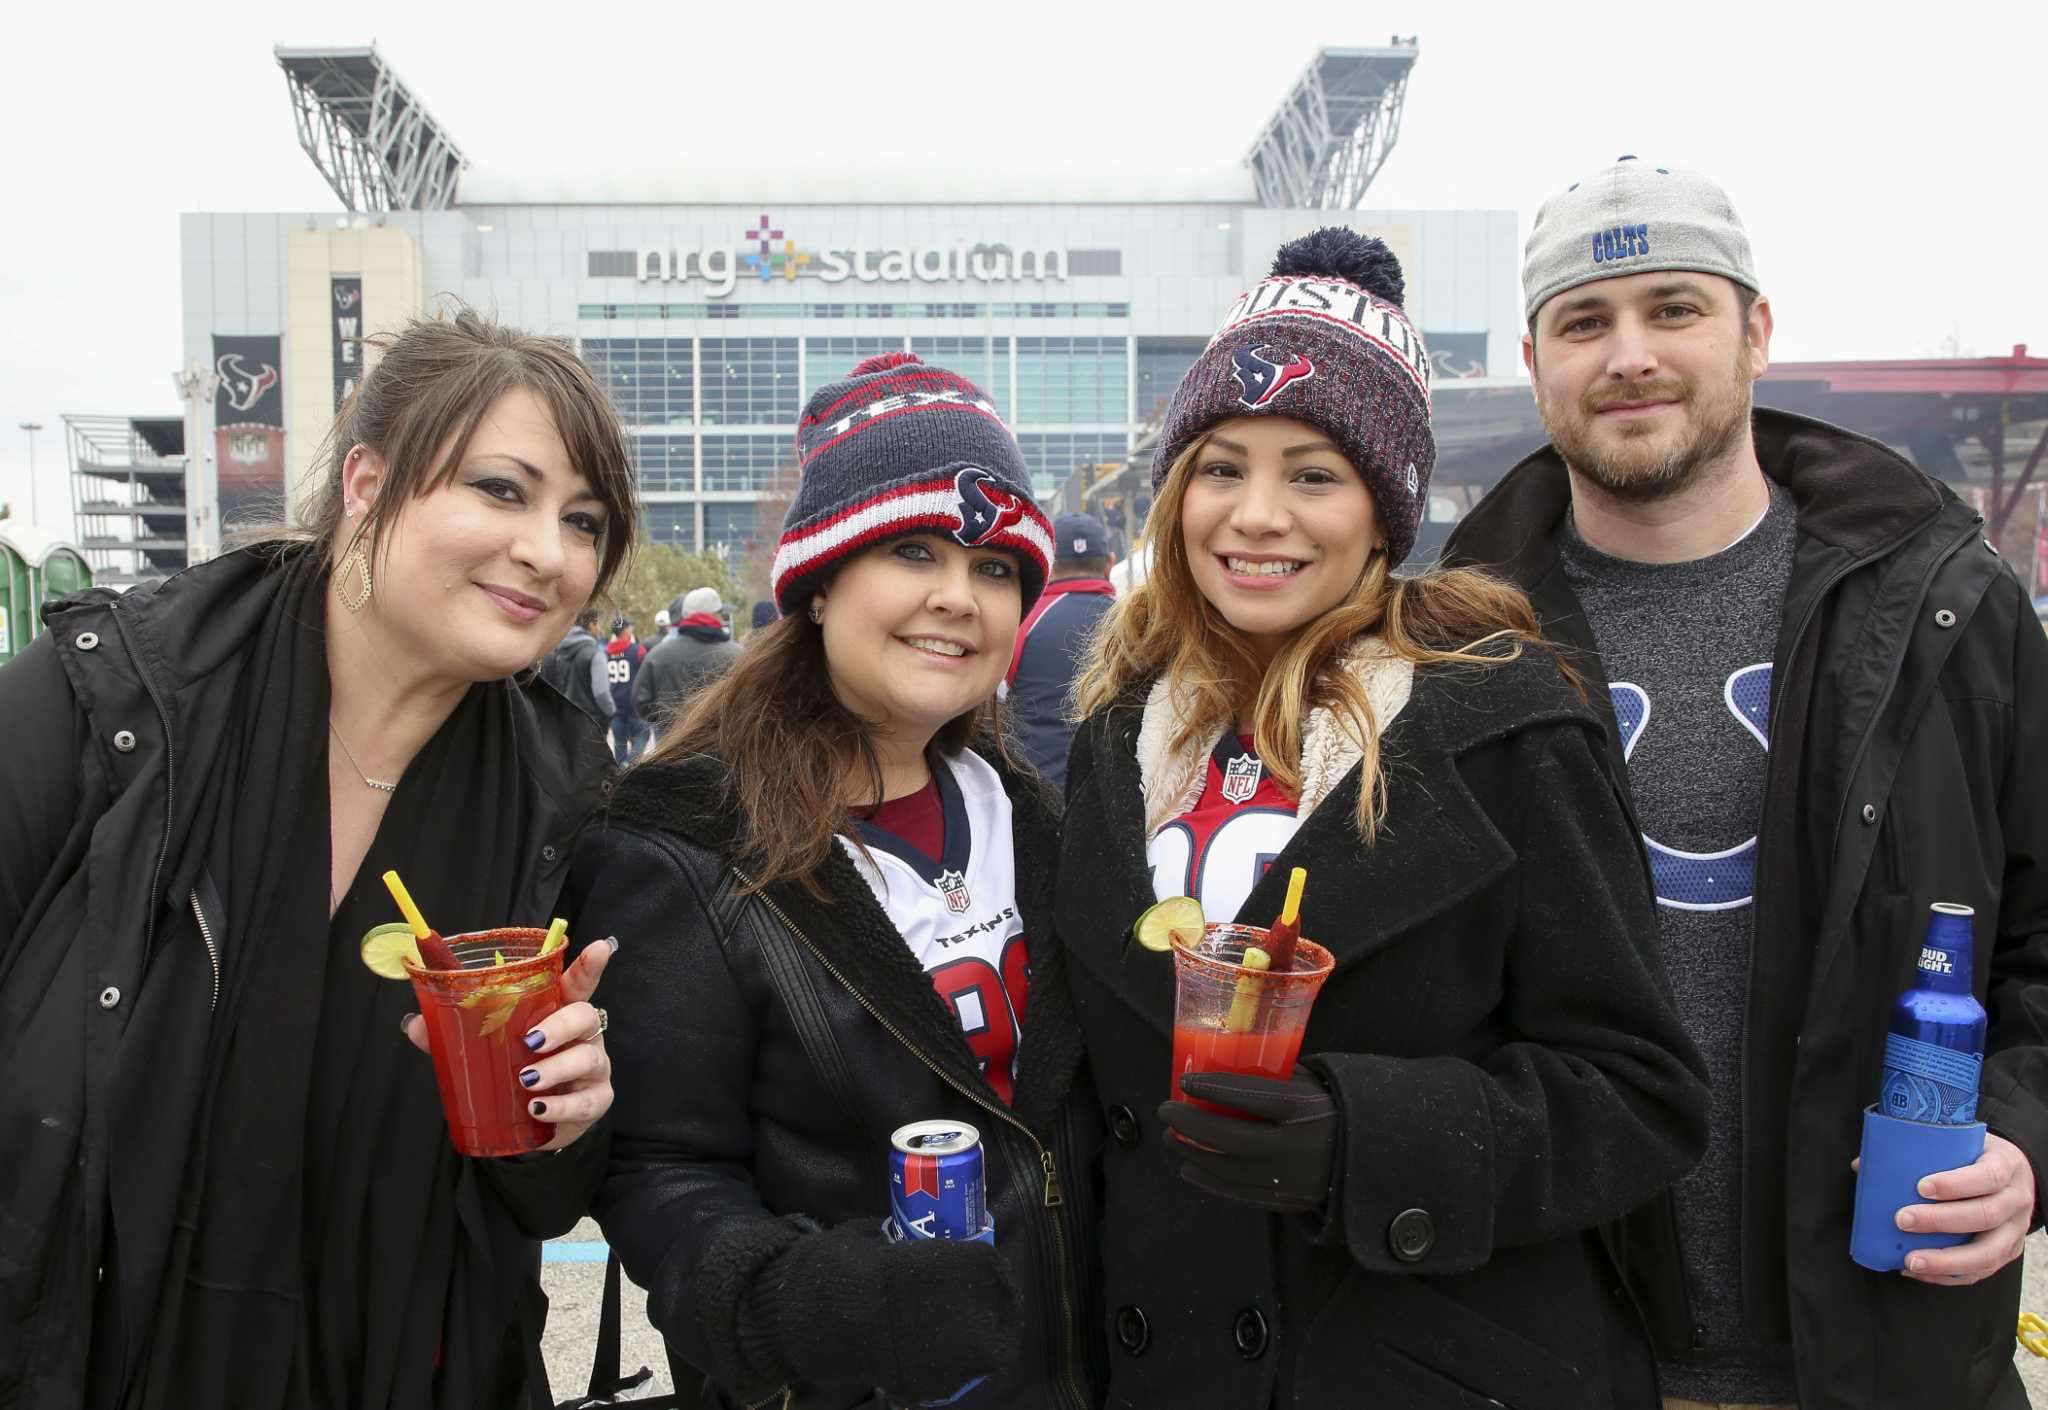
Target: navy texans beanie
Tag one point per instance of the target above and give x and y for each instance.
(1323, 339)
(898, 448)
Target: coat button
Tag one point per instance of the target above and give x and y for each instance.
(1412, 1235)
(1123, 1125)
(124, 740)
(109, 996)
(1869, 814)
(86, 641)
(1133, 1332)
(1944, 618)
(547, 853)
(1249, 1333)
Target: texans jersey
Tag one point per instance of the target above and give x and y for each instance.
(1217, 850)
(958, 912)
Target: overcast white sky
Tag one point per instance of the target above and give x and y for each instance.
(1887, 160)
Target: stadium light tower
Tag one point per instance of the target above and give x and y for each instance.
(377, 146)
(1333, 131)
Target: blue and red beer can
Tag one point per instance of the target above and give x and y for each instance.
(936, 1185)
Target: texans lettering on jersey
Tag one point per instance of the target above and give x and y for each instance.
(1217, 850)
(1702, 881)
(958, 912)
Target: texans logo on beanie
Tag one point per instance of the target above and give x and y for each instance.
(901, 447)
(1323, 340)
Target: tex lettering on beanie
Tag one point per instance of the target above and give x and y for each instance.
(1324, 340)
(901, 447)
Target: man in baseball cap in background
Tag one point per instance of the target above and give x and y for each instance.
(1830, 706)
(1052, 640)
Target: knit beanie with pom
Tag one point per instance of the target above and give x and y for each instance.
(1323, 339)
(900, 447)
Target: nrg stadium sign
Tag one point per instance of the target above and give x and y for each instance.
(772, 255)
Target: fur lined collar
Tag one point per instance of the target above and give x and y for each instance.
(1172, 781)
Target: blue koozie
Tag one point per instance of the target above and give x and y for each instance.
(1925, 1118)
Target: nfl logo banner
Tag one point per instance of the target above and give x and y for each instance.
(248, 419)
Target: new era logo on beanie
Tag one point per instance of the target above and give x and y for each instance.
(1323, 340)
(1633, 218)
(901, 447)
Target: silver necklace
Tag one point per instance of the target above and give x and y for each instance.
(376, 783)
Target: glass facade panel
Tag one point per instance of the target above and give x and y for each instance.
(1053, 455)
(740, 527)
(1072, 379)
(982, 361)
(829, 359)
(666, 462)
(750, 381)
(1162, 362)
(744, 462)
(673, 524)
(649, 378)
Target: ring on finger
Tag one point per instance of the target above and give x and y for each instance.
(604, 1020)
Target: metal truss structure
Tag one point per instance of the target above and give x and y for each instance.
(1333, 132)
(378, 148)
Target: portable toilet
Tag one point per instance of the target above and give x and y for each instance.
(35, 567)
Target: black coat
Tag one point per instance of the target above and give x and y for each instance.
(764, 1049)
(1506, 1061)
(97, 714)
(1909, 746)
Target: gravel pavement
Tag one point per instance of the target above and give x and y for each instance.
(576, 1289)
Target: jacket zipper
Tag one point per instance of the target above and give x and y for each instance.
(1756, 902)
(1052, 1197)
(212, 950)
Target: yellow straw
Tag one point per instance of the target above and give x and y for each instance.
(1291, 911)
(413, 918)
(557, 929)
(1244, 1003)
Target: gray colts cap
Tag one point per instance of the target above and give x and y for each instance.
(1628, 219)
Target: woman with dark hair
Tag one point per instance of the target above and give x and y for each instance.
(228, 1180)
(839, 887)
(1494, 1066)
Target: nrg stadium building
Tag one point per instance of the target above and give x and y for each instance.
(711, 323)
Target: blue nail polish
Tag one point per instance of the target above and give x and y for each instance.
(534, 1039)
(530, 1077)
(540, 1108)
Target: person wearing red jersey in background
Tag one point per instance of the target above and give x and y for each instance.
(853, 886)
(1495, 1066)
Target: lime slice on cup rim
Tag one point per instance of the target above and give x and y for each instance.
(387, 948)
(1175, 916)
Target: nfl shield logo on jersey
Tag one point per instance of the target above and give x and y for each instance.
(1241, 778)
(953, 886)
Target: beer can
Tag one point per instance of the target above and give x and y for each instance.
(936, 1188)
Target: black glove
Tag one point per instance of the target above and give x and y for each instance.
(1279, 1159)
(920, 1318)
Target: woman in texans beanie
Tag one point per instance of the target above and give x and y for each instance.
(847, 889)
(1494, 1068)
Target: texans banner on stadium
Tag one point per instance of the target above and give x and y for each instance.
(346, 319)
(1455, 355)
(248, 420)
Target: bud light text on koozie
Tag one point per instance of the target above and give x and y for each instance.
(1934, 1051)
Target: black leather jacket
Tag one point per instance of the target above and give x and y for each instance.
(764, 1048)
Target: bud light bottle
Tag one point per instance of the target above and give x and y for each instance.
(1934, 1053)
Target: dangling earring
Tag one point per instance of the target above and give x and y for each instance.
(817, 612)
(358, 562)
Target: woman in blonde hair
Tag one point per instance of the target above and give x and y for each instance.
(1494, 1067)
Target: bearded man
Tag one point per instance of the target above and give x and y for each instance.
(1830, 700)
